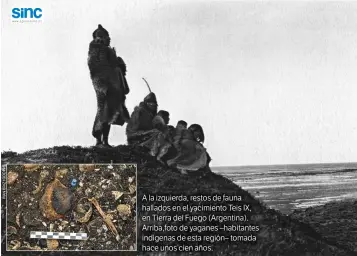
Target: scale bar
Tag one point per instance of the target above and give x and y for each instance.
(58, 235)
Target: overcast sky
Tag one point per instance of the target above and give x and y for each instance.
(270, 82)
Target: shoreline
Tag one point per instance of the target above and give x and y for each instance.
(296, 187)
(279, 235)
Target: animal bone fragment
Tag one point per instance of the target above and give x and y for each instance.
(106, 218)
(43, 175)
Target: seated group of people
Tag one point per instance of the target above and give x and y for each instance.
(179, 146)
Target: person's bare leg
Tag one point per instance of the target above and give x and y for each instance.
(162, 152)
(97, 130)
(106, 130)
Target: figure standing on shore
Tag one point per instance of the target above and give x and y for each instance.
(107, 72)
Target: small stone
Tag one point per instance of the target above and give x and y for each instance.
(64, 223)
(132, 188)
(105, 228)
(52, 244)
(131, 179)
(88, 191)
(86, 167)
(12, 177)
(108, 243)
(72, 224)
(131, 248)
(81, 184)
(31, 167)
(61, 173)
(42, 243)
(11, 231)
(44, 223)
(104, 186)
(117, 194)
(124, 210)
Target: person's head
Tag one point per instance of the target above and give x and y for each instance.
(102, 35)
(165, 115)
(171, 130)
(150, 102)
(181, 124)
(197, 132)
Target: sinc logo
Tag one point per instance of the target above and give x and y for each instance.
(22, 15)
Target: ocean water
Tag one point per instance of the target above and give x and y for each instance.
(289, 187)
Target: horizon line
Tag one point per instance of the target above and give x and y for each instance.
(251, 165)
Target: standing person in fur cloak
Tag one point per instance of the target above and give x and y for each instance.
(140, 124)
(107, 72)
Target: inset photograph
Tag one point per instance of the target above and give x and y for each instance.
(71, 207)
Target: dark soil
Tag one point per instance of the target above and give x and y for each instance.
(335, 221)
(279, 234)
(98, 183)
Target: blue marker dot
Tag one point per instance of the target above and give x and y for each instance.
(74, 182)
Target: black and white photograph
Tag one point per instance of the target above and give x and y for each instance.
(239, 117)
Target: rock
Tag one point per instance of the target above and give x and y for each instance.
(131, 179)
(42, 243)
(31, 167)
(52, 244)
(11, 231)
(86, 167)
(124, 210)
(12, 177)
(88, 192)
(132, 188)
(117, 194)
(61, 173)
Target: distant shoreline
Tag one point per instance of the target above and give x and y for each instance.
(294, 187)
